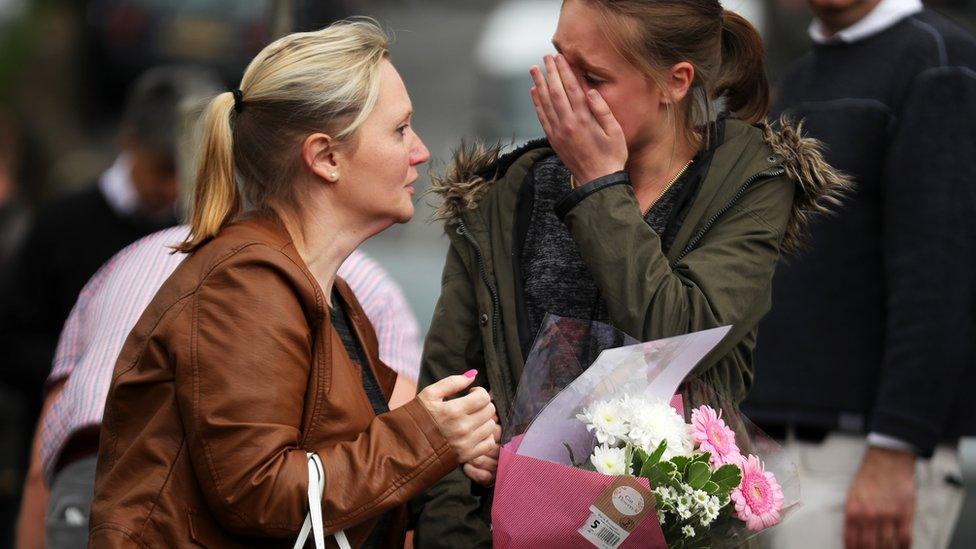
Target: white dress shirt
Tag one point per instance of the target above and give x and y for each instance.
(882, 17)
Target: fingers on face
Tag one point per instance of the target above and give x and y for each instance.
(574, 92)
(541, 98)
(601, 111)
(540, 113)
(557, 91)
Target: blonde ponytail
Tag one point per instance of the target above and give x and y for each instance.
(215, 198)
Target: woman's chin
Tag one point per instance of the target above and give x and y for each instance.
(405, 213)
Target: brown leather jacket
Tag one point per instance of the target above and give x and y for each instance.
(233, 372)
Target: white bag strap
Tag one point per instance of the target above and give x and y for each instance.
(313, 521)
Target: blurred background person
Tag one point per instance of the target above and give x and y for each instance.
(70, 237)
(13, 223)
(13, 212)
(865, 363)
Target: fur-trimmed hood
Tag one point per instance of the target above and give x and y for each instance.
(819, 187)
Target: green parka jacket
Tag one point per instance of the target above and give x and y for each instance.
(762, 186)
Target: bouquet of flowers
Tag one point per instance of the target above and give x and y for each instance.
(599, 451)
(702, 482)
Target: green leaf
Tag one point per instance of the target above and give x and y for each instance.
(654, 458)
(681, 463)
(698, 474)
(702, 458)
(636, 464)
(728, 477)
(656, 454)
(667, 467)
(657, 477)
(711, 488)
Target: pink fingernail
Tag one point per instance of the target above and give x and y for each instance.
(471, 373)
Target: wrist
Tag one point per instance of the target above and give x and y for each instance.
(582, 177)
(890, 456)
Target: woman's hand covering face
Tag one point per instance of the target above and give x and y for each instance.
(579, 124)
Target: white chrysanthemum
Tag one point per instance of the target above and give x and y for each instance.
(661, 516)
(605, 419)
(700, 497)
(683, 506)
(688, 531)
(663, 494)
(610, 461)
(709, 513)
(653, 421)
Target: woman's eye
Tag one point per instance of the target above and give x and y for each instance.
(403, 129)
(591, 80)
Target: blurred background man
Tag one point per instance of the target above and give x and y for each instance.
(865, 363)
(70, 237)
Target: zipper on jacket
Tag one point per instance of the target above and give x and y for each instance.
(495, 301)
(711, 220)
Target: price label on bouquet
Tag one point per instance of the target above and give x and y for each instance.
(617, 512)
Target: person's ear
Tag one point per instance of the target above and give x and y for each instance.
(320, 157)
(678, 81)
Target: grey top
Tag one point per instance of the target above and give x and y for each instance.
(340, 321)
(555, 279)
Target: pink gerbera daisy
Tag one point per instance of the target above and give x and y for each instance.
(759, 498)
(712, 435)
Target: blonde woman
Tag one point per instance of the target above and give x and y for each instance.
(253, 375)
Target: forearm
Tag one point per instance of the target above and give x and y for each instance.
(399, 456)
(716, 284)
(33, 503)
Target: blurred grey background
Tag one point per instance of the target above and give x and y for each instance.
(64, 66)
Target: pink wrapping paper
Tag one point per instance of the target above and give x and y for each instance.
(542, 504)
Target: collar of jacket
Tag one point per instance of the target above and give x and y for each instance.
(747, 152)
(269, 230)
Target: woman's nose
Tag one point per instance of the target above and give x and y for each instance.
(419, 154)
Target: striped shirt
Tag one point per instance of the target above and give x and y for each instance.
(111, 303)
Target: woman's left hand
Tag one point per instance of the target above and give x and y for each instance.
(579, 125)
(482, 469)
